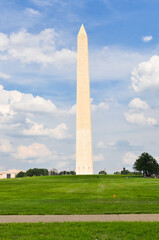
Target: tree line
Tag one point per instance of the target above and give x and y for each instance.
(144, 165)
(42, 172)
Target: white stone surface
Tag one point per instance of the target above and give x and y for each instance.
(84, 160)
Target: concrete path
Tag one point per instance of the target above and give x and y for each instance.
(79, 218)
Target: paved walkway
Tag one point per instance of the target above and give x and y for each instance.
(78, 218)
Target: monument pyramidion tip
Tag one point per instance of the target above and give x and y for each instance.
(82, 31)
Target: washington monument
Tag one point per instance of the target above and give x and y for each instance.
(84, 162)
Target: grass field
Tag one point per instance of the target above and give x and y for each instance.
(79, 195)
(80, 231)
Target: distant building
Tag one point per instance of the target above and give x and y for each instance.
(53, 171)
(11, 173)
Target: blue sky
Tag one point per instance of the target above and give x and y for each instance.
(38, 81)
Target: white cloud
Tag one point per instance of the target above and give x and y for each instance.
(35, 48)
(137, 103)
(72, 110)
(60, 132)
(35, 152)
(98, 158)
(6, 111)
(13, 102)
(4, 75)
(129, 158)
(100, 144)
(3, 41)
(107, 63)
(18, 109)
(147, 38)
(139, 118)
(112, 63)
(102, 106)
(62, 165)
(5, 146)
(32, 11)
(29, 103)
(120, 145)
(146, 75)
(135, 116)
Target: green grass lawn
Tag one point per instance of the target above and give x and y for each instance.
(80, 231)
(79, 195)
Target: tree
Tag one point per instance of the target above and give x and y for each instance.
(103, 172)
(146, 164)
(72, 172)
(37, 172)
(20, 174)
(64, 173)
(125, 171)
(67, 173)
(43, 171)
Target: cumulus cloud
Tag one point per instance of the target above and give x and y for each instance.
(113, 63)
(72, 110)
(123, 145)
(32, 11)
(4, 75)
(137, 103)
(139, 118)
(5, 146)
(110, 145)
(12, 102)
(3, 41)
(107, 63)
(146, 75)
(60, 132)
(29, 103)
(100, 144)
(98, 158)
(35, 48)
(129, 158)
(102, 106)
(15, 101)
(36, 152)
(135, 116)
(147, 38)
(120, 145)
(17, 109)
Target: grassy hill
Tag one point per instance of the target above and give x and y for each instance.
(79, 195)
(80, 231)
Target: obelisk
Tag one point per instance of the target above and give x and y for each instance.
(84, 161)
